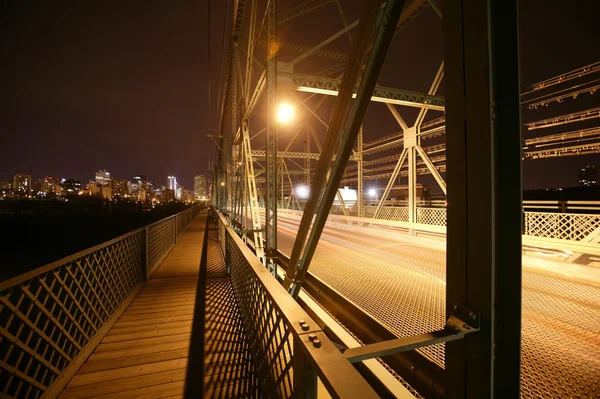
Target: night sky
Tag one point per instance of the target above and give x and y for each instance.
(88, 85)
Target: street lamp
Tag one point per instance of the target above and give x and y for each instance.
(285, 113)
(302, 192)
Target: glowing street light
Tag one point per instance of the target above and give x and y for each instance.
(372, 193)
(222, 183)
(302, 192)
(285, 113)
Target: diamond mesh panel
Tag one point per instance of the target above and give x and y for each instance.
(269, 336)
(48, 320)
(160, 240)
(180, 224)
(435, 216)
(565, 226)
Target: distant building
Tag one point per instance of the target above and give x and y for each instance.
(588, 176)
(118, 188)
(167, 195)
(172, 180)
(144, 193)
(93, 188)
(22, 185)
(178, 191)
(5, 189)
(71, 186)
(37, 188)
(103, 177)
(106, 192)
(200, 187)
(51, 185)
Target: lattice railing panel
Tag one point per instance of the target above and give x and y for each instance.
(49, 316)
(396, 213)
(434, 216)
(48, 320)
(271, 341)
(180, 223)
(160, 240)
(564, 226)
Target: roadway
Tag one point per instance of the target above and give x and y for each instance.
(400, 280)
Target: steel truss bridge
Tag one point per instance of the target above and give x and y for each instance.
(468, 140)
(479, 296)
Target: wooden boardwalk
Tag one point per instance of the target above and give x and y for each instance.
(159, 342)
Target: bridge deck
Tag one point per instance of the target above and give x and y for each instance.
(181, 332)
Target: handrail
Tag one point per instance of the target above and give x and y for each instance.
(53, 317)
(288, 347)
(59, 262)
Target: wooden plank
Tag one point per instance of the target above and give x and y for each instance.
(97, 377)
(156, 307)
(139, 351)
(156, 332)
(156, 326)
(132, 317)
(168, 390)
(153, 320)
(189, 308)
(124, 384)
(126, 361)
(135, 343)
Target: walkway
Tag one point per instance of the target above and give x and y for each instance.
(157, 348)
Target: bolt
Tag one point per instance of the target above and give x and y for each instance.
(473, 316)
(305, 327)
(316, 343)
(455, 307)
(302, 321)
(466, 326)
(312, 337)
(455, 329)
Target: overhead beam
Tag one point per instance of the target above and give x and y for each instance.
(330, 87)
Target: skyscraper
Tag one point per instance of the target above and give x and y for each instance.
(172, 183)
(22, 185)
(588, 176)
(103, 177)
(200, 187)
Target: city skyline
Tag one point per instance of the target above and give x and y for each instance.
(143, 97)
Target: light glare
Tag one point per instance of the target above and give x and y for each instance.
(285, 113)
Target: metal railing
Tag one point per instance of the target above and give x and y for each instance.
(289, 349)
(577, 225)
(52, 318)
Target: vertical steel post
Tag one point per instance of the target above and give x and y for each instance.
(271, 151)
(305, 376)
(412, 184)
(360, 193)
(483, 125)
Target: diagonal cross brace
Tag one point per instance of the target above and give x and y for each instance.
(307, 238)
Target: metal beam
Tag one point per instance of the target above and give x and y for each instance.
(342, 138)
(330, 87)
(322, 44)
(484, 194)
(271, 153)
